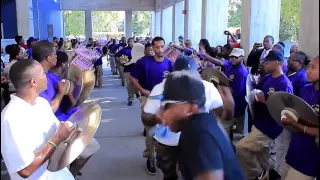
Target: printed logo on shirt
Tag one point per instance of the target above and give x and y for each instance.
(316, 109)
(231, 77)
(271, 91)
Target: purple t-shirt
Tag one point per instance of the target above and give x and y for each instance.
(99, 61)
(126, 51)
(50, 94)
(303, 153)
(149, 72)
(298, 80)
(263, 120)
(237, 76)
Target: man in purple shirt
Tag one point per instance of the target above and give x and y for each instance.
(44, 52)
(237, 74)
(30, 42)
(303, 154)
(253, 150)
(116, 49)
(148, 72)
(112, 58)
(296, 74)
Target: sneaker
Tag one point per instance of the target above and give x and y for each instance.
(122, 83)
(144, 132)
(129, 103)
(137, 95)
(151, 168)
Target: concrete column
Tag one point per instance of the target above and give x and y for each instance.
(153, 24)
(309, 28)
(194, 21)
(158, 23)
(179, 20)
(259, 18)
(204, 19)
(186, 19)
(128, 24)
(161, 23)
(216, 21)
(25, 18)
(173, 22)
(166, 29)
(88, 21)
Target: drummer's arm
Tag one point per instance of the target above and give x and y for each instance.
(310, 131)
(40, 158)
(213, 60)
(55, 103)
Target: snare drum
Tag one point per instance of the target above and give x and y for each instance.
(172, 53)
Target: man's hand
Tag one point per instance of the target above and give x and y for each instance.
(63, 132)
(62, 87)
(287, 120)
(260, 97)
(145, 93)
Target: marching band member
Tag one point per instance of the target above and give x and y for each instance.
(45, 53)
(257, 54)
(148, 72)
(205, 152)
(303, 154)
(112, 58)
(131, 90)
(296, 73)
(237, 74)
(117, 48)
(167, 141)
(253, 150)
(280, 48)
(98, 66)
(148, 51)
(30, 132)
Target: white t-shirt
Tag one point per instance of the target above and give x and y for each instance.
(25, 129)
(213, 101)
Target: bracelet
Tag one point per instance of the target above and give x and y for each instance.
(304, 130)
(53, 144)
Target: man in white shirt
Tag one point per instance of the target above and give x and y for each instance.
(30, 132)
(167, 141)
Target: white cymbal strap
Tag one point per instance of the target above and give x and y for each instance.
(290, 113)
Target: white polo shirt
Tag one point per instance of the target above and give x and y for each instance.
(213, 101)
(25, 129)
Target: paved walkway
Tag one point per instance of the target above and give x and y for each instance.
(120, 136)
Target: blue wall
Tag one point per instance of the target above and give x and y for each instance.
(50, 13)
(9, 20)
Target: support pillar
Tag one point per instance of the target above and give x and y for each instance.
(309, 28)
(25, 18)
(158, 23)
(179, 20)
(128, 24)
(257, 22)
(215, 21)
(186, 19)
(204, 19)
(88, 24)
(173, 22)
(153, 24)
(194, 21)
(166, 28)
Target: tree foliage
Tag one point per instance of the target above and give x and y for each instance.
(74, 23)
(141, 21)
(290, 20)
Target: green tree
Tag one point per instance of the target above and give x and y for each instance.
(141, 21)
(74, 23)
(235, 12)
(290, 20)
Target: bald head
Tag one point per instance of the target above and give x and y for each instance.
(22, 72)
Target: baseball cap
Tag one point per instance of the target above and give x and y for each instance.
(185, 63)
(180, 38)
(32, 39)
(279, 47)
(183, 87)
(237, 52)
(275, 55)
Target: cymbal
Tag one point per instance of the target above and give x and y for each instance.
(87, 120)
(215, 76)
(278, 101)
(88, 79)
(250, 85)
(75, 76)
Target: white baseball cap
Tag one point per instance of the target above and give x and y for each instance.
(237, 52)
